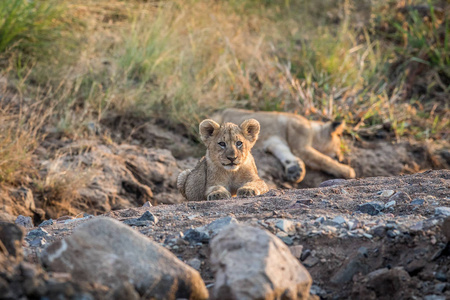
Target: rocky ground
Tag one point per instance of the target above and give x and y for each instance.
(373, 238)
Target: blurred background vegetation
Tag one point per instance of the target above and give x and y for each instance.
(67, 66)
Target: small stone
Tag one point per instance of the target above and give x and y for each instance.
(195, 263)
(296, 251)
(40, 232)
(310, 261)
(400, 197)
(441, 276)
(392, 233)
(442, 211)
(390, 204)
(24, 221)
(194, 235)
(38, 242)
(287, 240)
(386, 193)
(379, 231)
(147, 204)
(305, 254)
(319, 220)
(46, 223)
(332, 182)
(281, 234)
(192, 217)
(440, 287)
(369, 236)
(446, 228)
(417, 226)
(146, 219)
(285, 225)
(434, 297)
(339, 220)
(371, 208)
(417, 202)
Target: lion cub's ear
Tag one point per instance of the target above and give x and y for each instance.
(250, 129)
(337, 127)
(208, 128)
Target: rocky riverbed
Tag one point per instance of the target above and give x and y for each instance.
(373, 238)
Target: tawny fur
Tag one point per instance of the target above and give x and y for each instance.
(296, 141)
(228, 168)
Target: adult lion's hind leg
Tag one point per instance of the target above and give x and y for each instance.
(294, 167)
(319, 161)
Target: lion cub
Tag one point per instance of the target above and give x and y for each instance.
(296, 141)
(228, 168)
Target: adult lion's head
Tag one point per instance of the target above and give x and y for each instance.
(229, 145)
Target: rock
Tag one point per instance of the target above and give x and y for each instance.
(379, 231)
(195, 263)
(205, 233)
(371, 208)
(147, 204)
(353, 266)
(296, 251)
(286, 225)
(417, 201)
(40, 232)
(46, 223)
(386, 193)
(287, 240)
(11, 236)
(310, 261)
(332, 182)
(38, 242)
(251, 263)
(319, 220)
(434, 297)
(146, 219)
(106, 252)
(24, 221)
(387, 284)
(442, 211)
(400, 197)
(446, 228)
(390, 204)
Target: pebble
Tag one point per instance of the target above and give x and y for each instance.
(369, 236)
(287, 240)
(332, 182)
(39, 232)
(310, 261)
(147, 204)
(390, 204)
(386, 193)
(339, 220)
(24, 221)
(400, 197)
(195, 263)
(146, 219)
(442, 211)
(417, 202)
(296, 251)
(434, 297)
(371, 208)
(285, 225)
(38, 242)
(46, 223)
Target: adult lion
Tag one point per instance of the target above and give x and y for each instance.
(296, 141)
(228, 168)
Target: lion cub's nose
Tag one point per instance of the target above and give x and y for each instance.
(232, 159)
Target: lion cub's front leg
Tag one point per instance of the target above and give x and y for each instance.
(217, 192)
(252, 188)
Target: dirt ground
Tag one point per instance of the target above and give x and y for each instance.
(401, 250)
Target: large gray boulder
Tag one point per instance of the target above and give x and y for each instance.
(110, 253)
(251, 263)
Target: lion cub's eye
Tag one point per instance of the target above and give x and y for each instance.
(222, 144)
(239, 144)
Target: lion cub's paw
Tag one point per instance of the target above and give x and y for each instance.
(351, 173)
(295, 171)
(247, 192)
(219, 195)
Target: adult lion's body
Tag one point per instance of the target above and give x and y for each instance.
(228, 168)
(296, 141)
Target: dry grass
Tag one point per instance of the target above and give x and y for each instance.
(372, 63)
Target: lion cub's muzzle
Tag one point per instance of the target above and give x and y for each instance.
(233, 163)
